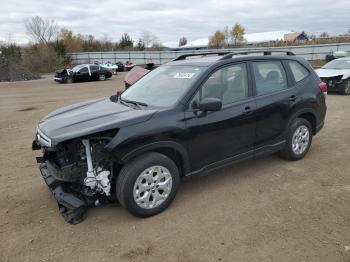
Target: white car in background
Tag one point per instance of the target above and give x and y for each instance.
(336, 74)
(112, 67)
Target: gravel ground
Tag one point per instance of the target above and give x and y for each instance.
(261, 210)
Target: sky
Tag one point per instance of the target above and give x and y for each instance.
(170, 20)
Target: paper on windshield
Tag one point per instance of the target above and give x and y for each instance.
(183, 75)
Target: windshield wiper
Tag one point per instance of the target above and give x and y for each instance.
(136, 103)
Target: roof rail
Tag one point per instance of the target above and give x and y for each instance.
(265, 52)
(183, 57)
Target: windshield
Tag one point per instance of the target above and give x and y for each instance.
(163, 86)
(338, 64)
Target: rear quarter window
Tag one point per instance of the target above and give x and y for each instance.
(299, 71)
(94, 68)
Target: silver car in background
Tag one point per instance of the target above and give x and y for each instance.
(336, 74)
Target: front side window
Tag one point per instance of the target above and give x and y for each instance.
(269, 77)
(229, 84)
(84, 70)
(299, 72)
(164, 86)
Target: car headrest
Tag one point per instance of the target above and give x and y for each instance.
(272, 76)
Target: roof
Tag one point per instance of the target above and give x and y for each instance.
(209, 60)
(291, 36)
(265, 36)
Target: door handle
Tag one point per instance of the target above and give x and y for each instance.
(247, 110)
(293, 98)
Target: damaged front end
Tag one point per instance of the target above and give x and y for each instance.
(78, 172)
(337, 83)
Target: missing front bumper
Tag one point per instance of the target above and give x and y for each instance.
(71, 207)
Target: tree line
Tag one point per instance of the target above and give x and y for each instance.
(228, 37)
(49, 45)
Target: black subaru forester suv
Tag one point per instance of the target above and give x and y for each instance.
(187, 117)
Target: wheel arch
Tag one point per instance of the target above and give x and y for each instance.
(308, 114)
(171, 149)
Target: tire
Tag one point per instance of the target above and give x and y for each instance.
(134, 182)
(102, 77)
(297, 151)
(345, 88)
(69, 80)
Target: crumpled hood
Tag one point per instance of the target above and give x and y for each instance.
(88, 118)
(333, 72)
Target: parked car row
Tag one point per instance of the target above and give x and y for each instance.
(96, 71)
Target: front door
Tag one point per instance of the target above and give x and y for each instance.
(219, 136)
(83, 74)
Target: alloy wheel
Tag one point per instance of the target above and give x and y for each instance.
(152, 187)
(300, 140)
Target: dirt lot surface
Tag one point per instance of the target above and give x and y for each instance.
(261, 210)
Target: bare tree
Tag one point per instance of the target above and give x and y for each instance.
(148, 39)
(182, 41)
(226, 32)
(40, 30)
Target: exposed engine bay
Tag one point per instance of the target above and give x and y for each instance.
(79, 174)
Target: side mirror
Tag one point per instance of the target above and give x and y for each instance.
(210, 104)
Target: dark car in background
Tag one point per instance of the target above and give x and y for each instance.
(184, 118)
(121, 67)
(82, 73)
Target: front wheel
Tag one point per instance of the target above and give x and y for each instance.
(346, 88)
(298, 140)
(147, 185)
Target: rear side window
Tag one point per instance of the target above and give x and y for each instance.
(299, 72)
(269, 77)
(94, 68)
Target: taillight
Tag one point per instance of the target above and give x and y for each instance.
(323, 87)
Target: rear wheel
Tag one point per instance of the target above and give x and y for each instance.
(147, 185)
(298, 141)
(346, 88)
(102, 77)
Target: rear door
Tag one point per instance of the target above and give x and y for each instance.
(275, 97)
(95, 71)
(215, 137)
